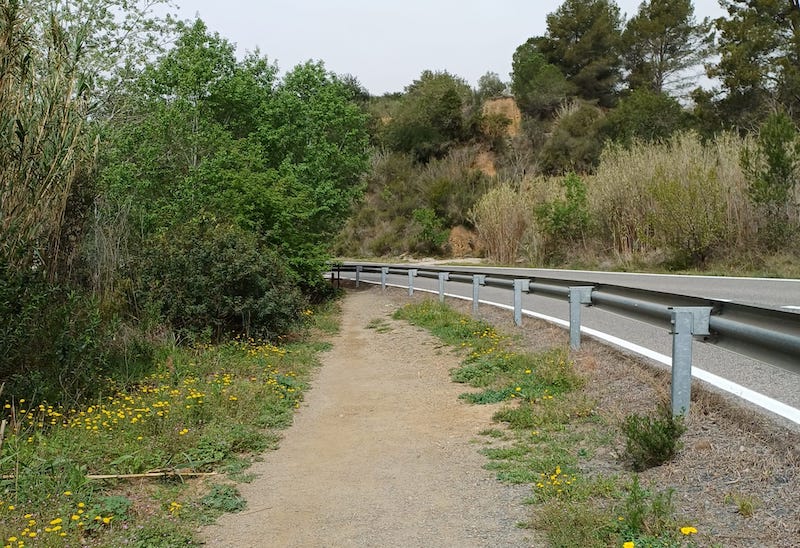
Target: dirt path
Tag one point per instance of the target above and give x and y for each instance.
(381, 454)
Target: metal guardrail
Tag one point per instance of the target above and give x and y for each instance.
(765, 334)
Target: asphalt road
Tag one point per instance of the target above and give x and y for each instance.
(766, 292)
(768, 380)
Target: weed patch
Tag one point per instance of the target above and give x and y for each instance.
(204, 409)
(553, 433)
(652, 441)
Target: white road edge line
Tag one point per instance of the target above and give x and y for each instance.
(765, 402)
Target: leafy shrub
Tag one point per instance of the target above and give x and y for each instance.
(212, 278)
(575, 143)
(56, 342)
(568, 218)
(772, 168)
(684, 196)
(652, 441)
(432, 235)
(221, 499)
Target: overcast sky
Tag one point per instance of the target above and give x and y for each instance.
(387, 44)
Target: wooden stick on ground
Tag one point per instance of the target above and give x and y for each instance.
(149, 475)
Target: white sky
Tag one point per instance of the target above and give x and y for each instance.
(387, 44)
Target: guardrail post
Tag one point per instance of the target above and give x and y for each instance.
(358, 275)
(443, 277)
(411, 273)
(578, 295)
(384, 273)
(686, 323)
(477, 281)
(519, 286)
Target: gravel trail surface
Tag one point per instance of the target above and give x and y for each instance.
(381, 454)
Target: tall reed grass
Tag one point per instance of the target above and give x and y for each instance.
(44, 145)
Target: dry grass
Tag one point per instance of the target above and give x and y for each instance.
(502, 217)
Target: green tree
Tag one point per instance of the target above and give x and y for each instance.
(772, 168)
(430, 118)
(661, 43)
(583, 41)
(538, 86)
(566, 219)
(645, 115)
(314, 135)
(213, 136)
(759, 48)
(490, 85)
(575, 142)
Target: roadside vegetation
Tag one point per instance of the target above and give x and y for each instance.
(548, 433)
(147, 460)
(164, 201)
(599, 152)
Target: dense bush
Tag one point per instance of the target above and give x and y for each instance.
(55, 340)
(652, 440)
(210, 278)
(575, 142)
(567, 218)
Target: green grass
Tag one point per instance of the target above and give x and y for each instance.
(204, 409)
(553, 432)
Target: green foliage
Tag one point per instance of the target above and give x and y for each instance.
(689, 215)
(163, 535)
(684, 197)
(221, 499)
(568, 218)
(430, 118)
(645, 116)
(213, 135)
(575, 143)
(652, 440)
(46, 151)
(490, 86)
(210, 275)
(502, 216)
(57, 341)
(582, 40)
(758, 43)
(772, 168)
(569, 524)
(538, 86)
(204, 407)
(661, 43)
(396, 187)
(647, 518)
(432, 233)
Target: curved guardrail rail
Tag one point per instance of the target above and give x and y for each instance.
(765, 334)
